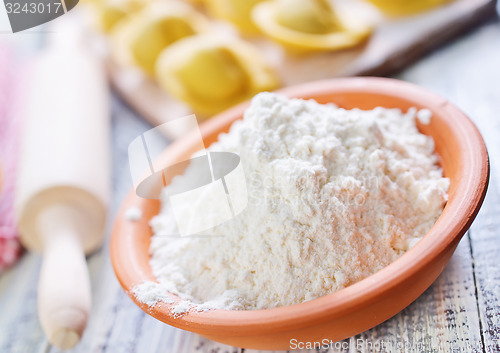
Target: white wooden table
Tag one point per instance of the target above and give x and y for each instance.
(460, 312)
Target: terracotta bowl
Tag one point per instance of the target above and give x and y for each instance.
(367, 303)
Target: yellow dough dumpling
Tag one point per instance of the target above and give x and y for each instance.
(238, 12)
(140, 39)
(110, 12)
(310, 25)
(315, 17)
(211, 73)
(406, 7)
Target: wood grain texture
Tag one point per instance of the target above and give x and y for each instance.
(459, 313)
(486, 254)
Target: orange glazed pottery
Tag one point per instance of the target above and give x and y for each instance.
(364, 304)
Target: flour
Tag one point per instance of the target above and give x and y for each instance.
(334, 196)
(424, 116)
(150, 293)
(133, 214)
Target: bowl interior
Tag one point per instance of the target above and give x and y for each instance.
(462, 155)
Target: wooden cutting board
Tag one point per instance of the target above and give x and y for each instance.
(394, 44)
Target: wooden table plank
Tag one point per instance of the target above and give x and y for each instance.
(486, 256)
(20, 331)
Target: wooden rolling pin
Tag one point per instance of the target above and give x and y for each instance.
(62, 192)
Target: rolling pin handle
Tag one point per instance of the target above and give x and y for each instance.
(64, 297)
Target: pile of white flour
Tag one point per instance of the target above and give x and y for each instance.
(334, 196)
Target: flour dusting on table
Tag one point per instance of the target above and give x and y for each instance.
(334, 196)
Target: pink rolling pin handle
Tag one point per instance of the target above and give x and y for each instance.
(64, 298)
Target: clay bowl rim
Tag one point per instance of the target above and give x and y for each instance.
(456, 218)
